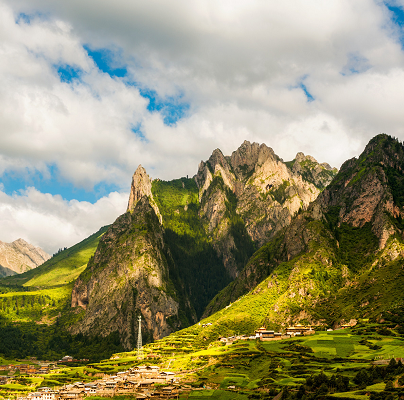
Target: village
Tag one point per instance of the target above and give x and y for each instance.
(140, 382)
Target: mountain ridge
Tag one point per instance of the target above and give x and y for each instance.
(178, 244)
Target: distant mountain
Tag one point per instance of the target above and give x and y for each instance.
(63, 268)
(339, 260)
(19, 256)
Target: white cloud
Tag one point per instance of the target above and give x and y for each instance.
(50, 222)
(238, 64)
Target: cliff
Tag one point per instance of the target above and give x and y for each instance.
(181, 242)
(252, 195)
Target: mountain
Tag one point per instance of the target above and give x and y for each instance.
(35, 309)
(63, 268)
(253, 194)
(20, 256)
(339, 260)
(177, 246)
(129, 276)
(181, 242)
(43, 294)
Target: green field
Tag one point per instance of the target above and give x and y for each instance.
(258, 370)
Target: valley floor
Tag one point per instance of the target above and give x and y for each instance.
(353, 363)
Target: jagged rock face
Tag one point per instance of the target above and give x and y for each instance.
(367, 189)
(252, 194)
(318, 174)
(128, 276)
(348, 235)
(19, 256)
(141, 186)
(268, 193)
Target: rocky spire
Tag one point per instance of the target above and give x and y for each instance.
(141, 186)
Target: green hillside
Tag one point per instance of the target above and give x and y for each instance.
(43, 294)
(325, 365)
(35, 309)
(339, 260)
(62, 268)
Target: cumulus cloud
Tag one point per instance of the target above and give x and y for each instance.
(317, 77)
(50, 222)
(232, 60)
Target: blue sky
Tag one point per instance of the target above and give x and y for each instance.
(171, 109)
(91, 90)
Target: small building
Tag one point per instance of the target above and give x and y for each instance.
(50, 395)
(35, 396)
(44, 389)
(71, 394)
(264, 334)
(298, 330)
(167, 375)
(110, 385)
(169, 390)
(66, 359)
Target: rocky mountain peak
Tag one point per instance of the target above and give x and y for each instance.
(367, 189)
(245, 159)
(302, 157)
(129, 277)
(141, 186)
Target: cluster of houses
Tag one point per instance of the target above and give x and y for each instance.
(30, 369)
(35, 367)
(140, 382)
(267, 335)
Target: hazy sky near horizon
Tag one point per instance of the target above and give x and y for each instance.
(91, 89)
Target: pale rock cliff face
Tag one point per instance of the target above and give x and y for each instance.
(268, 193)
(128, 276)
(141, 186)
(19, 256)
(364, 194)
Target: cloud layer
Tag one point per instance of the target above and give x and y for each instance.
(50, 222)
(318, 77)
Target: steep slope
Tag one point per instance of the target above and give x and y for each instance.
(62, 268)
(19, 256)
(340, 259)
(129, 276)
(197, 262)
(43, 294)
(252, 195)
